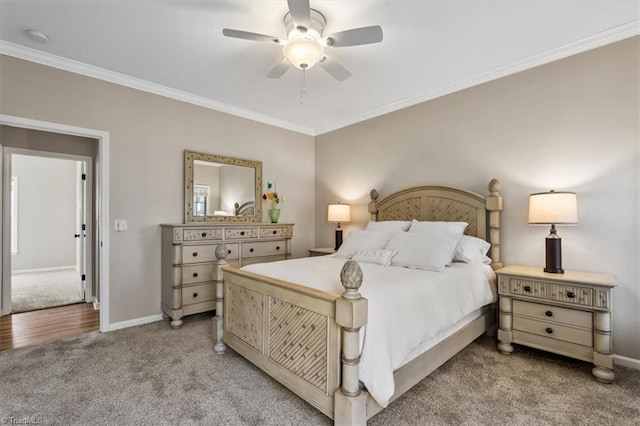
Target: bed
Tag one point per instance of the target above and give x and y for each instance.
(310, 339)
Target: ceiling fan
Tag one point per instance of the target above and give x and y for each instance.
(305, 44)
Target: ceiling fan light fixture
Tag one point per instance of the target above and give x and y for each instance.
(303, 53)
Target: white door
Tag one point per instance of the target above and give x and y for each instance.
(81, 226)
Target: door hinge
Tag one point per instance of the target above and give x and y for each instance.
(84, 227)
(84, 176)
(84, 277)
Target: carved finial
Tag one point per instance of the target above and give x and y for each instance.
(494, 187)
(351, 278)
(373, 194)
(221, 252)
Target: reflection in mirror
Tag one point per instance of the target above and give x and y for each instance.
(221, 189)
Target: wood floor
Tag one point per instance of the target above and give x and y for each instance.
(46, 325)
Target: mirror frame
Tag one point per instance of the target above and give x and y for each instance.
(190, 157)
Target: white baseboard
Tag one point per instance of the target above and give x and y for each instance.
(627, 362)
(134, 322)
(52, 269)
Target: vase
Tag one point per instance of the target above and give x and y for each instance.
(274, 214)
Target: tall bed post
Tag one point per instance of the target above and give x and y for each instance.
(218, 321)
(351, 315)
(373, 210)
(494, 206)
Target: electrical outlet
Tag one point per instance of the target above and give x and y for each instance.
(120, 225)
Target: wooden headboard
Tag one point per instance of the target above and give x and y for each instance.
(441, 203)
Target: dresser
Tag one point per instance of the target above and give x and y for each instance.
(188, 259)
(568, 314)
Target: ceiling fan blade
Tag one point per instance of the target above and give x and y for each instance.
(355, 37)
(300, 13)
(277, 71)
(250, 36)
(334, 69)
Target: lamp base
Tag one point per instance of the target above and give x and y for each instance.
(553, 257)
(338, 237)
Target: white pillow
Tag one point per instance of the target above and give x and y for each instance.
(451, 228)
(430, 251)
(379, 257)
(472, 250)
(357, 240)
(388, 225)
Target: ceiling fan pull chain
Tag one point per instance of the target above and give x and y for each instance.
(302, 86)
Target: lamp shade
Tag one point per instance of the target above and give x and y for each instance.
(553, 208)
(339, 213)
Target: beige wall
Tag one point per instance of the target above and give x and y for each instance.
(570, 125)
(148, 135)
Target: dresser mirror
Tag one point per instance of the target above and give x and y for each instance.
(221, 189)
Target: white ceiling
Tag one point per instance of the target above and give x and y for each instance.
(430, 48)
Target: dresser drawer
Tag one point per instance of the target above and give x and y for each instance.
(198, 293)
(264, 248)
(197, 273)
(553, 330)
(232, 251)
(198, 254)
(553, 314)
(239, 233)
(283, 231)
(201, 234)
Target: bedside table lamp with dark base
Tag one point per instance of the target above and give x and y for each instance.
(553, 208)
(339, 213)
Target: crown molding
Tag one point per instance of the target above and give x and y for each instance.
(601, 39)
(592, 42)
(48, 59)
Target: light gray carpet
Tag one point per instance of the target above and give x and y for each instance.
(41, 290)
(153, 375)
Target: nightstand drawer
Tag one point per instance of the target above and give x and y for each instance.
(548, 291)
(553, 313)
(554, 330)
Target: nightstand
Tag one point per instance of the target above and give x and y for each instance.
(322, 251)
(568, 314)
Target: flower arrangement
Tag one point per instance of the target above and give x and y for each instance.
(272, 195)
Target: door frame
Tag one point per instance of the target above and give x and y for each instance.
(102, 210)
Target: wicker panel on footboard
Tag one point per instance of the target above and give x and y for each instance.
(288, 331)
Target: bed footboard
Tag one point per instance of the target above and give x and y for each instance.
(295, 334)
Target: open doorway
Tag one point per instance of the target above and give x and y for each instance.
(50, 234)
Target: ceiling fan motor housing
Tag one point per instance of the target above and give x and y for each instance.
(303, 48)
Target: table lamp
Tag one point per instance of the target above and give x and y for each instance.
(339, 213)
(553, 208)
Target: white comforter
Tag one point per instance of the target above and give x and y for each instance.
(407, 307)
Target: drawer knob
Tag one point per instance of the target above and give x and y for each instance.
(204, 234)
(549, 330)
(195, 274)
(527, 288)
(251, 250)
(571, 294)
(195, 254)
(275, 232)
(228, 251)
(549, 313)
(196, 295)
(277, 247)
(241, 232)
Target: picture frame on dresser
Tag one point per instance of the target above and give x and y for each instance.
(569, 314)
